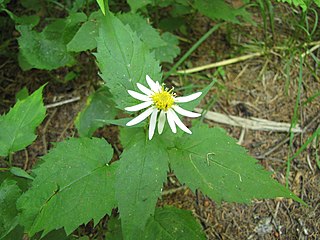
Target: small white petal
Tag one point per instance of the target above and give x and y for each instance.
(161, 121)
(171, 121)
(138, 106)
(184, 112)
(188, 98)
(158, 86)
(179, 123)
(140, 117)
(153, 86)
(153, 122)
(139, 96)
(145, 90)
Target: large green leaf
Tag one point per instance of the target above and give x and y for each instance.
(211, 161)
(123, 60)
(171, 223)
(99, 107)
(47, 49)
(18, 126)
(73, 185)
(9, 193)
(40, 52)
(219, 9)
(168, 223)
(170, 50)
(140, 177)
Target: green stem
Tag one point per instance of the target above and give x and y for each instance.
(4, 169)
(87, 8)
(191, 50)
(10, 159)
(294, 121)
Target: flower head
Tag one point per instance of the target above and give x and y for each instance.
(160, 99)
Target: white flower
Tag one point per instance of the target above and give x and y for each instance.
(160, 99)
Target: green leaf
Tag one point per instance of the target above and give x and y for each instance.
(219, 9)
(18, 126)
(114, 229)
(103, 4)
(31, 4)
(20, 173)
(64, 29)
(16, 233)
(31, 20)
(57, 235)
(137, 4)
(171, 50)
(140, 177)
(167, 223)
(165, 46)
(47, 49)
(9, 193)
(173, 223)
(123, 60)
(23, 183)
(22, 94)
(85, 38)
(23, 62)
(73, 185)
(212, 161)
(297, 3)
(149, 35)
(99, 107)
(41, 52)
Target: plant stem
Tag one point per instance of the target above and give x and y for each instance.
(10, 159)
(4, 169)
(191, 50)
(294, 121)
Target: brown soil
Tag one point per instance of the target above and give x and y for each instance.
(257, 87)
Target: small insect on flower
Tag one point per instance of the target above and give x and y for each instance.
(160, 99)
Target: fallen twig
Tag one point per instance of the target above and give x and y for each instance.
(52, 105)
(249, 123)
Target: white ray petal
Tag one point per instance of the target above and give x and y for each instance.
(153, 86)
(144, 89)
(153, 122)
(138, 96)
(158, 86)
(185, 113)
(161, 121)
(138, 106)
(171, 121)
(188, 98)
(179, 123)
(140, 117)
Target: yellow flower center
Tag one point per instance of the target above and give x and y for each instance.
(163, 100)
